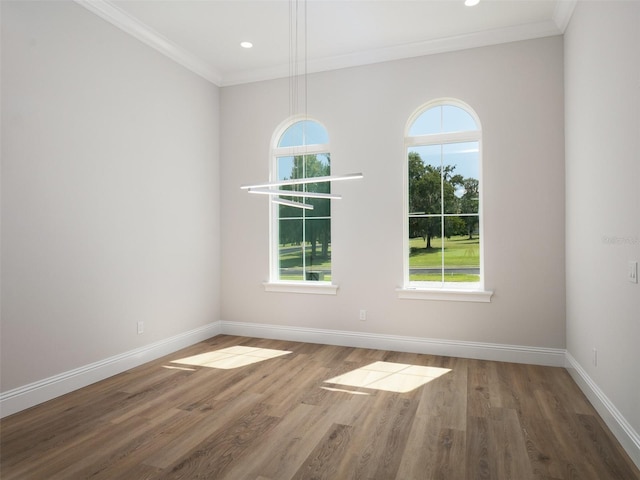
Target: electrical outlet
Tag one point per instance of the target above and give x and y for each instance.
(140, 327)
(363, 315)
(633, 271)
(595, 357)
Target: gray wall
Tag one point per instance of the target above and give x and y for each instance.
(517, 91)
(110, 193)
(602, 51)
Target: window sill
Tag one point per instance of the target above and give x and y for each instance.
(482, 296)
(313, 288)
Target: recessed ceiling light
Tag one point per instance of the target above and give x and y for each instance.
(471, 3)
(246, 44)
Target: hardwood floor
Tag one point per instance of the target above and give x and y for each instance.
(279, 419)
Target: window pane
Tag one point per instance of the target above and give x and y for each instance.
(464, 155)
(425, 253)
(455, 119)
(460, 177)
(461, 250)
(285, 168)
(304, 132)
(290, 248)
(289, 168)
(442, 119)
(425, 186)
(318, 249)
(303, 166)
(469, 196)
(321, 207)
(428, 122)
(318, 165)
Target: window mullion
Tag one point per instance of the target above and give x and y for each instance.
(443, 138)
(304, 245)
(304, 221)
(442, 212)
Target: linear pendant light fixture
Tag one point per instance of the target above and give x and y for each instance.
(271, 188)
(302, 181)
(294, 193)
(265, 189)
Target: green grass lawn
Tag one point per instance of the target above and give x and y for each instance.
(458, 252)
(291, 258)
(436, 277)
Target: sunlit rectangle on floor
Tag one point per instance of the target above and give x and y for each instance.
(232, 357)
(388, 376)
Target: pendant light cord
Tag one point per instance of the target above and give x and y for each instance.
(298, 67)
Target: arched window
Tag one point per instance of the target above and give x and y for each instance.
(301, 225)
(443, 228)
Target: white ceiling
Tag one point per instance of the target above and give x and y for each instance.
(205, 35)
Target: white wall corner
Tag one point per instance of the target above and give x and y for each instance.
(563, 12)
(27, 396)
(620, 427)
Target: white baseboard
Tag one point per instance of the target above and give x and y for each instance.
(622, 430)
(32, 394)
(553, 357)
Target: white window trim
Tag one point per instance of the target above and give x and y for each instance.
(309, 287)
(461, 295)
(284, 286)
(439, 291)
(294, 151)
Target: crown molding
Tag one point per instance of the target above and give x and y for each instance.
(563, 12)
(430, 47)
(134, 27)
(131, 25)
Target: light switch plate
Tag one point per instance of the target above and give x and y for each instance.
(633, 271)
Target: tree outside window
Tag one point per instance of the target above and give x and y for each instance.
(302, 237)
(443, 241)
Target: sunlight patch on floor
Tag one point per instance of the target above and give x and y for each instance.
(391, 377)
(231, 357)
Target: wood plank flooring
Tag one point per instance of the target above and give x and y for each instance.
(279, 419)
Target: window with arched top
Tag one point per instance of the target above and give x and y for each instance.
(443, 198)
(301, 222)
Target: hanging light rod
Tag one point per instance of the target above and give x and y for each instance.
(290, 203)
(303, 181)
(293, 193)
